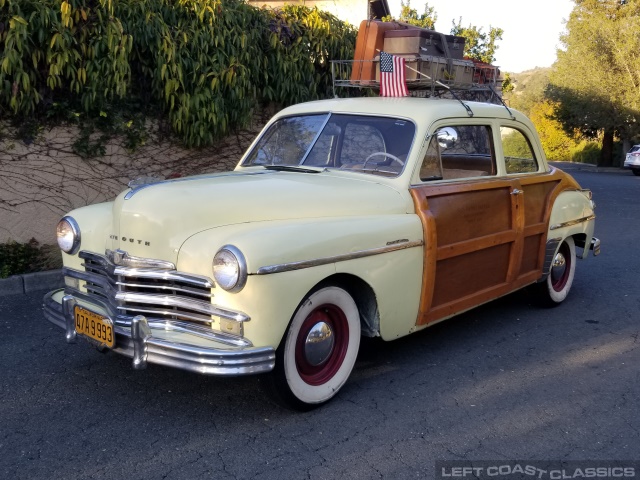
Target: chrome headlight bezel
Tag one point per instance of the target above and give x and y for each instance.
(229, 257)
(71, 226)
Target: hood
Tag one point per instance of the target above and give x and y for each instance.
(153, 221)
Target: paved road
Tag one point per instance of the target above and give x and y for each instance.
(506, 381)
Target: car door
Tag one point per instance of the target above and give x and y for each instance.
(473, 216)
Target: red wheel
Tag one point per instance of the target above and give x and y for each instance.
(319, 350)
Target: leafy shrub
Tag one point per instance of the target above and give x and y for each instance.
(203, 63)
(585, 152)
(17, 258)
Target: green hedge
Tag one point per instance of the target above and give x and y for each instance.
(203, 63)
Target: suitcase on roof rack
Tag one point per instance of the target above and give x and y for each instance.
(369, 42)
(423, 42)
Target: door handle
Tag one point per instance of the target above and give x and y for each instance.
(515, 191)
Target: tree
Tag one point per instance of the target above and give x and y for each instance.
(410, 15)
(478, 45)
(595, 83)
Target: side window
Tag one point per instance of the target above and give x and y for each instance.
(460, 151)
(518, 154)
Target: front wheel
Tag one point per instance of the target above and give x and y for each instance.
(556, 287)
(318, 351)
(636, 171)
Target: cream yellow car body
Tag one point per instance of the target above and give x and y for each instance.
(297, 230)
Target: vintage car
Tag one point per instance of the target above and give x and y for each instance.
(345, 217)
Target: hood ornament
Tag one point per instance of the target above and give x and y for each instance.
(123, 259)
(140, 183)
(144, 180)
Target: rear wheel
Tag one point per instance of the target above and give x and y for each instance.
(556, 287)
(319, 350)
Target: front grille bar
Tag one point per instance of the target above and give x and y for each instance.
(182, 303)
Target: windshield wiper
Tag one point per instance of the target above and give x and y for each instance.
(290, 168)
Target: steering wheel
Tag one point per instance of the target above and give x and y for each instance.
(383, 154)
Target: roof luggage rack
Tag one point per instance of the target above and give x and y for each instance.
(426, 76)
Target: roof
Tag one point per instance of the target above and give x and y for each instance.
(418, 109)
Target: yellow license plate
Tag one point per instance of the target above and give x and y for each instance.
(95, 327)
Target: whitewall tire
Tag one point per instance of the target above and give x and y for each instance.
(319, 349)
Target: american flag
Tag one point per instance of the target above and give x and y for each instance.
(393, 82)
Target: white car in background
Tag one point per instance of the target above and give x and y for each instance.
(632, 160)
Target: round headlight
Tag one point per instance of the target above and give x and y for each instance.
(68, 235)
(230, 268)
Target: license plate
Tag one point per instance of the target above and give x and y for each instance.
(95, 327)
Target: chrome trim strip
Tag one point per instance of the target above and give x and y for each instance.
(571, 223)
(159, 274)
(287, 267)
(92, 278)
(313, 142)
(238, 360)
(191, 291)
(172, 301)
(159, 313)
(200, 331)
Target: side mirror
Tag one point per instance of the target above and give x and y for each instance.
(447, 137)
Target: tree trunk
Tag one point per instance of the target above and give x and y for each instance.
(606, 154)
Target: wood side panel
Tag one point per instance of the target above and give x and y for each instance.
(459, 246)
(529, 258)
(470, 246)
(462, 215)
(464, 275)
(448, 309)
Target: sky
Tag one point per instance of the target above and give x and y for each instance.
(531, 29)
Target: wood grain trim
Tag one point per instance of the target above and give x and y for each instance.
(470, 246)
(535, 229)
(517, 223)
(430, 253)
(483, 183)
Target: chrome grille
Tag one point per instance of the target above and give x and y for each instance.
(157, 293)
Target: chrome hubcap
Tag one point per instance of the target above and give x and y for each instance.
(319, 344)
(559, 266)
(559, 261)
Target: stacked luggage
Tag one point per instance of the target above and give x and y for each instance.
(431, 57)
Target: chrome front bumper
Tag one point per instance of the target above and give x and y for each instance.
(139, 343)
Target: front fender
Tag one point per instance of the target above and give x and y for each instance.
(272, 298)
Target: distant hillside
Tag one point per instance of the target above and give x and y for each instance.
(528, 88)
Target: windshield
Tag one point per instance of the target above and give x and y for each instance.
(375, 145)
